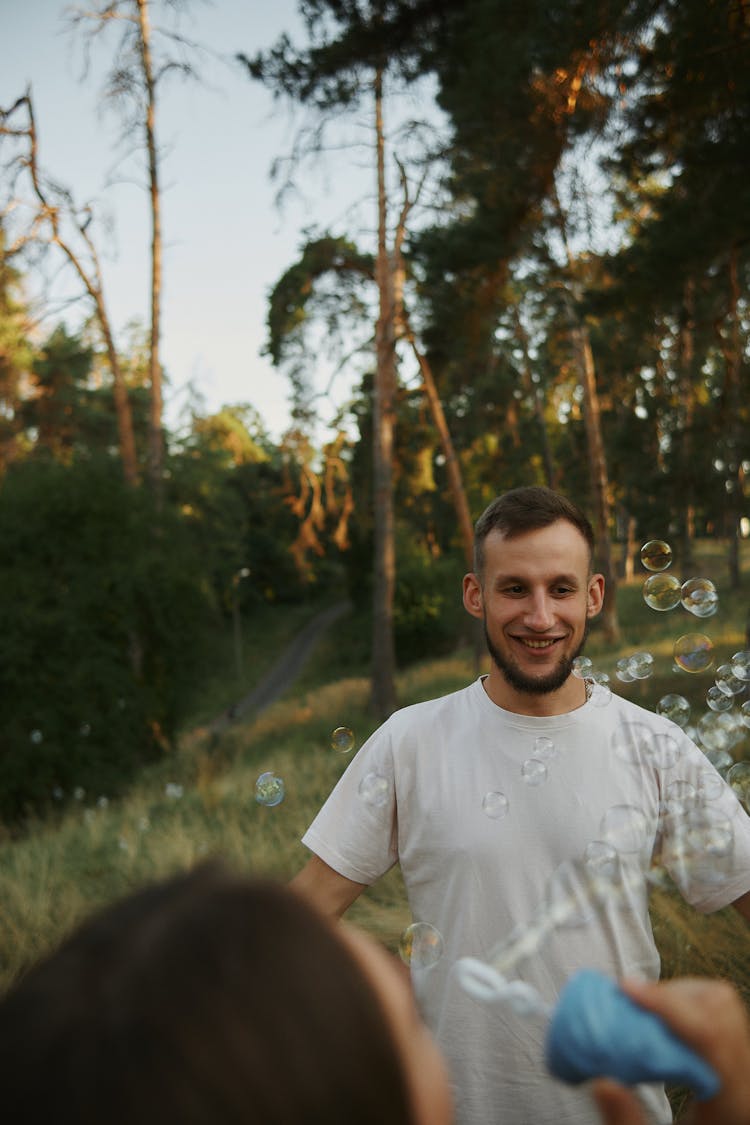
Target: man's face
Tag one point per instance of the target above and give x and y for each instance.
(536, 598)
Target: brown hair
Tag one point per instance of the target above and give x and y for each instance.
(208, 999)
(527, 509)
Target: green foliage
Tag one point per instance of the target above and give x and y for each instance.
(101, 614)
(427, 614)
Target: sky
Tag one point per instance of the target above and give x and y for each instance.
(226, 241)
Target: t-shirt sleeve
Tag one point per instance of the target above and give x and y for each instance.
(355, 832)
(705, 830)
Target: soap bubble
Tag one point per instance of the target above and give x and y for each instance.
(495, 805)
(745, 713)
(674, 707)
(699, 596)
(602, 693)
(173, 791)
(741, 665)
(680, 795)
(623, 670)
(534, 772)
(721, 760)
(710, 785)
(718, 700)
(269, 790)
(374, 790)
(738, 777)
(694, 652)
(79, 793)
(641, 665)
(342, 740)
(632, 742)
(656, 554)
(699, 844)
(717, 730)
(58, 793)
(36, 737)
(102, 802)
(601, 860)
(625, 827)
(710, 831)
(84, 730)
(582, 667)
(544, 747)
(420, 946)
(727, 681)
(662, 592)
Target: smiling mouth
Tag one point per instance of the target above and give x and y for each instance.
(537, 645)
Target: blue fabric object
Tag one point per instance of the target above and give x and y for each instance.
(597, 1031)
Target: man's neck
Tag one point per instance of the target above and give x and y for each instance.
(567, 698)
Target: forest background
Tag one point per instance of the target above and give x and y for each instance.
(548, 284)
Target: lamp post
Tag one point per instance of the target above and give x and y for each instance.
(243, 572)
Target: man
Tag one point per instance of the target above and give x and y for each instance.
(483, 794)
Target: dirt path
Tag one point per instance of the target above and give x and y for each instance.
(284, 672)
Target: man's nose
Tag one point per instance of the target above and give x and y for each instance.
(539, 613)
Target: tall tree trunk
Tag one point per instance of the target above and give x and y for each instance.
(383, 691)
(155, 432)
(733, 362)
(686, 407)
(452, 463)
(594, 441)
(599, 479)
(535, 391)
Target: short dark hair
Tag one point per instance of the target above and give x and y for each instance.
(527, 509)
(207, 999)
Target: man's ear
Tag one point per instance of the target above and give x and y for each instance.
(595, 599)
(473, 601)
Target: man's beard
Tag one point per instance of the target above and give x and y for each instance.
(534, 685)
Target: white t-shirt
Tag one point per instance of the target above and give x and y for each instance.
(415, 793)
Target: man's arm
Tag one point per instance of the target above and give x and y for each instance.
(742, 906)
(329, 891)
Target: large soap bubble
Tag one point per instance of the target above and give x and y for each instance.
(694, 652)
(342, 740)
(741, 665)
(699, 596)
(728, 682)
(662, 592)
(495, 805)
(420, 945)
(674, 707)
(582, 667)
(625, 827)
(636, 742)
(534, 772)
(642, 665)
(269, 789)
(656, 554)
(374, 790)
(719, 700)
(739, 779)
(718, 730)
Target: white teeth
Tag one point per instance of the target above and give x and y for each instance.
(535, 644)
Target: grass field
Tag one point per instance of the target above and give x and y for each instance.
(199, 801)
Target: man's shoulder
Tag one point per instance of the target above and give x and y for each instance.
(428, 711)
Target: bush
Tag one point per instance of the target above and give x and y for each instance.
(101, 617)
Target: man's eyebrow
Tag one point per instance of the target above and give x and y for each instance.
(521, 580)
